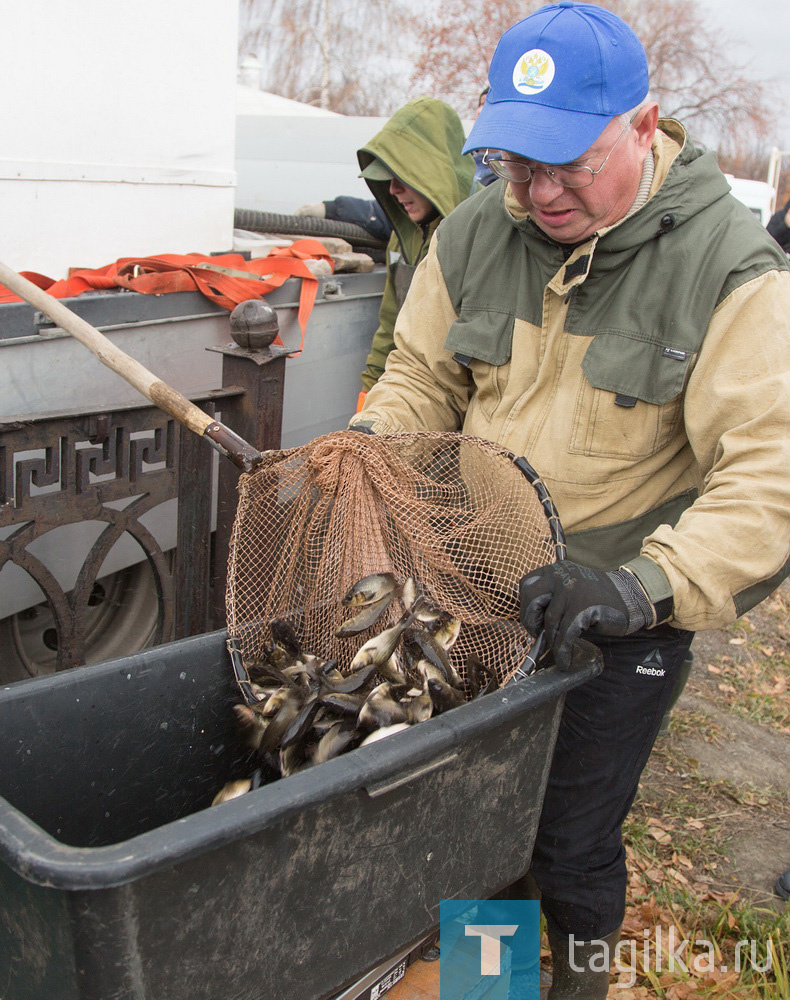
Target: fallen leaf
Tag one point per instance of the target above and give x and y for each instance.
(738, 641)
(713, 670)
(660, 835)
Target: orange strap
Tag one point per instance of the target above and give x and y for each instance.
(361, 400)
(197, 272)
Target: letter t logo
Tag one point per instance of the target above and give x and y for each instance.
(490, 952)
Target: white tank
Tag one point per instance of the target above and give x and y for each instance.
(118, 130)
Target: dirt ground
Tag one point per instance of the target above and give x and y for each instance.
(734, 766)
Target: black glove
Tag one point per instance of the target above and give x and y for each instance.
(362, 428)
(565, 599)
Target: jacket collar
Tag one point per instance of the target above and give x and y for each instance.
(685, 182)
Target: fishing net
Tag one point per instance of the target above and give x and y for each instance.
(461, 516)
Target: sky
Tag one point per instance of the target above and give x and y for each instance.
(757, 33)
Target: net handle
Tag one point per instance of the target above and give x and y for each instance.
(539, 655)
(542, 491)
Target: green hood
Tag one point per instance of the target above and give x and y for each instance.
(421, 145)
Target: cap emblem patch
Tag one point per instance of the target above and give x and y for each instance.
(533, 72)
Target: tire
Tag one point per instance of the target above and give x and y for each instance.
(122, 619)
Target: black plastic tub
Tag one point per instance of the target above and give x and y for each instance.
(119, 882)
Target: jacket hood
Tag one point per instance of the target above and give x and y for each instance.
(421, 145)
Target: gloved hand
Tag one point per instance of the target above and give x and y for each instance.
(318, 210)
(565, 599)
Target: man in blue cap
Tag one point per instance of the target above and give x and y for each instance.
(613, 314)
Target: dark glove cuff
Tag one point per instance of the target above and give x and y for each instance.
(641, 612)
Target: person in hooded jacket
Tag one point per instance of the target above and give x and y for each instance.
(779, 227)
(417, 172)
(614, 315)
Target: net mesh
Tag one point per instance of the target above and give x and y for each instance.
(451, 511)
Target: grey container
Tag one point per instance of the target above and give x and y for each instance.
(118, 882)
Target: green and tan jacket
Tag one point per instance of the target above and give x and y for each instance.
(645, 374)
(421, 145)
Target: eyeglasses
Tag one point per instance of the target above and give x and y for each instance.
(571, 175)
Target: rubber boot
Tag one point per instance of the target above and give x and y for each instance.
(525, 888)
(579, 975)
(680, 683)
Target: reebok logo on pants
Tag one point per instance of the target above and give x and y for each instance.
(652, 671)
(653, 665)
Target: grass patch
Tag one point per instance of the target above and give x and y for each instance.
(677, 839)
(678, 945)
(754, 677)
(684, 722)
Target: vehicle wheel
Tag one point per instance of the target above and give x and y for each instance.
(122, 619)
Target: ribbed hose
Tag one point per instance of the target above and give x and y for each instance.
(303, 225)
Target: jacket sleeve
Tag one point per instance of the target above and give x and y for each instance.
(383, 341)
(363, 212)
(422, 387)
(731, 548)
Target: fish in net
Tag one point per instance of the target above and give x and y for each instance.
(458, 517)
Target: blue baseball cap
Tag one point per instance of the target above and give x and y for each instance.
(557, 79)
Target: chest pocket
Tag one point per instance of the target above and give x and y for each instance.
(482, 341)
(630, 402)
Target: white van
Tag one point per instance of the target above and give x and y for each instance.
(758, 196)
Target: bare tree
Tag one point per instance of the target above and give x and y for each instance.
(344, 55)
(691, 76)
(456, 44)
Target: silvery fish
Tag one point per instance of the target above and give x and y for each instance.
(232, 790)
(419, 708)
(443, 696)
(365, 618)
(482, 679)
(447, 632)
(428, 670)
(380, 648)
(379, 734)
(370, 589)
(285, 636)
(301, 724)
(409, 593)
(253, 724)
(381, 708)
(424, 646)
(278, 725)
(341, 736)
(291, 759)
(351, 682)
(345, 704)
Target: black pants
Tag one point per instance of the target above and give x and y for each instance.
(606, 733)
